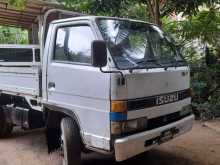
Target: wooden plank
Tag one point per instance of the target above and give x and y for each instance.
(14, 25)
(15, 14)
(14, 22)
(2, 22)
(15, 19)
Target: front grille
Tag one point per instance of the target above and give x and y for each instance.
(164, 120)
(148, 102)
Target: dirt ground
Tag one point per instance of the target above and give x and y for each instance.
(199, 147)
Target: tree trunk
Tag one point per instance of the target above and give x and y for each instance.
(154, 10)
(151, 10)
(157, 13)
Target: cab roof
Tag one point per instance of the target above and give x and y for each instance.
(91, 17)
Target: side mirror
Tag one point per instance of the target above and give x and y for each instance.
(99, 53)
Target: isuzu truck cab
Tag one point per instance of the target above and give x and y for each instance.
(110, 85)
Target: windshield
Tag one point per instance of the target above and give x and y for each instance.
(138, 45)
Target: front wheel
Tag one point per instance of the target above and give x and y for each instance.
(70, 142)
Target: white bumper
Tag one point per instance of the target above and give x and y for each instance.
(135, 144)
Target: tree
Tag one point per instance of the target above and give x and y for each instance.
(201, 30)
(160, 8)
(155, 9)
(101, 7)
(204, 27)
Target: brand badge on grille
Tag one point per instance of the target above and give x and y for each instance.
(165, 99)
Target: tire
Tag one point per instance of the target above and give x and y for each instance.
(5, 127)
(53, 132)
(71, 143)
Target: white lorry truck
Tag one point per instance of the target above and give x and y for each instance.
(110, 85)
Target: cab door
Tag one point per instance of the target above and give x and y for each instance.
(74, 84)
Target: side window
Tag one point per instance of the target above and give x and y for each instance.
(73, 44)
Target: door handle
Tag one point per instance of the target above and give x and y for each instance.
(51, 85)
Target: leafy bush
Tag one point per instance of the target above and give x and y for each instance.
(205, 83)
(10, 35)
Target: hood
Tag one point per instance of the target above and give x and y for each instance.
(153, 82)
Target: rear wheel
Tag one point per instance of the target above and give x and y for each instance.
(70, 142)
(5, 127)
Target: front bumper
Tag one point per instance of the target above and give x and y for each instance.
(130, 146)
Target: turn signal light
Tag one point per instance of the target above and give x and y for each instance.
(119, 106)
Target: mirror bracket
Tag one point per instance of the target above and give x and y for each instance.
(121, 80)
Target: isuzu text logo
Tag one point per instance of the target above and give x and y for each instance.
(165, 99)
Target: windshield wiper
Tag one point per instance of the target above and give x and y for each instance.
(176, 62)
(147, 61)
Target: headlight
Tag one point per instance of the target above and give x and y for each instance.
(186, 110)
(118, 128)
(129, 126)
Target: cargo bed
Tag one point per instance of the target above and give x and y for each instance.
(20, 69)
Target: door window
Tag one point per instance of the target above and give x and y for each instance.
(73, 44)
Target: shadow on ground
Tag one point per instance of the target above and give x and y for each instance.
(17, 133)
(35, 143)
(153, 157)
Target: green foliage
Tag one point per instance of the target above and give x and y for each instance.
(193, 34)
(101, 7)
(135, 11)
(118, 8)
(18, 3)
(206, 91)
(9, 35)
(187, 7)
(205, 26)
